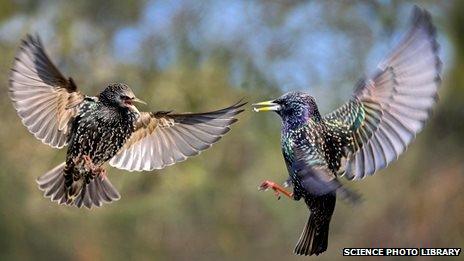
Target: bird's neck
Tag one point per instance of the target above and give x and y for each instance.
(296, 122)
(117, 112)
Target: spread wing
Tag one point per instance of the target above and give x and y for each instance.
(162, 139)
(45, 100)
(388, 110)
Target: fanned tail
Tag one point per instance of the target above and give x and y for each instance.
(95, 193)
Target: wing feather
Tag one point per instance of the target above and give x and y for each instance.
(388, 110)
(44, 99)
(162, 139)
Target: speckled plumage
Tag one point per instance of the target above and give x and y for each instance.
(363, 135)
(304, 130)
(98, 131)
(103, 128)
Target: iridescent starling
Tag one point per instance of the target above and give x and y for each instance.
(102, 128)
(364, 135)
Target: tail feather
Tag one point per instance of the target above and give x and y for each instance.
(48, 179)
(315, 236)
(313, 239)
(52, 182)
(95, 193)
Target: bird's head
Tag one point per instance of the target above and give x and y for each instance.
(293, 107)
(120, 95)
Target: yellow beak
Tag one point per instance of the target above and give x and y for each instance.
(139, 101)
(266, 106)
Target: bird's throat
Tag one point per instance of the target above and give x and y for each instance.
(292, 123)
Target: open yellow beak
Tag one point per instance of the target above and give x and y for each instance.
(266, 106)
(139, 101)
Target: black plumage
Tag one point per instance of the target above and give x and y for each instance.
(362, 136)
(102, 128)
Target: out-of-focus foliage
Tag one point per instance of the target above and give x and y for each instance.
(201, 55)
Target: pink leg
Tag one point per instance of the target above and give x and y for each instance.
(277, 189)
(96, 170)
(101, 172)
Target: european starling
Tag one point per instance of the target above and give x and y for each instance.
(362, 136)
(97, 129)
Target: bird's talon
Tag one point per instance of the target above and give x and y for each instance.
(266, 185)
(102, 173)
(277, 193)
(277, 189)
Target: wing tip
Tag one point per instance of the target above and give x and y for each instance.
(421, 18)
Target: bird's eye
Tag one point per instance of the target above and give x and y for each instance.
(124, 97)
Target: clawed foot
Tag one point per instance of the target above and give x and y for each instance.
(97, 171)
(88, 164)
(277, 189)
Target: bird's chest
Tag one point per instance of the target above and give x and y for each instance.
(100, 134)
(308, 139)
(291, 141)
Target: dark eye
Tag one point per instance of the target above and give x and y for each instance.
(124, 97)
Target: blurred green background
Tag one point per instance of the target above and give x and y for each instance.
(203, 55)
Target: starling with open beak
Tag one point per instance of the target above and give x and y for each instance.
(97, 129)
(364, 135)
